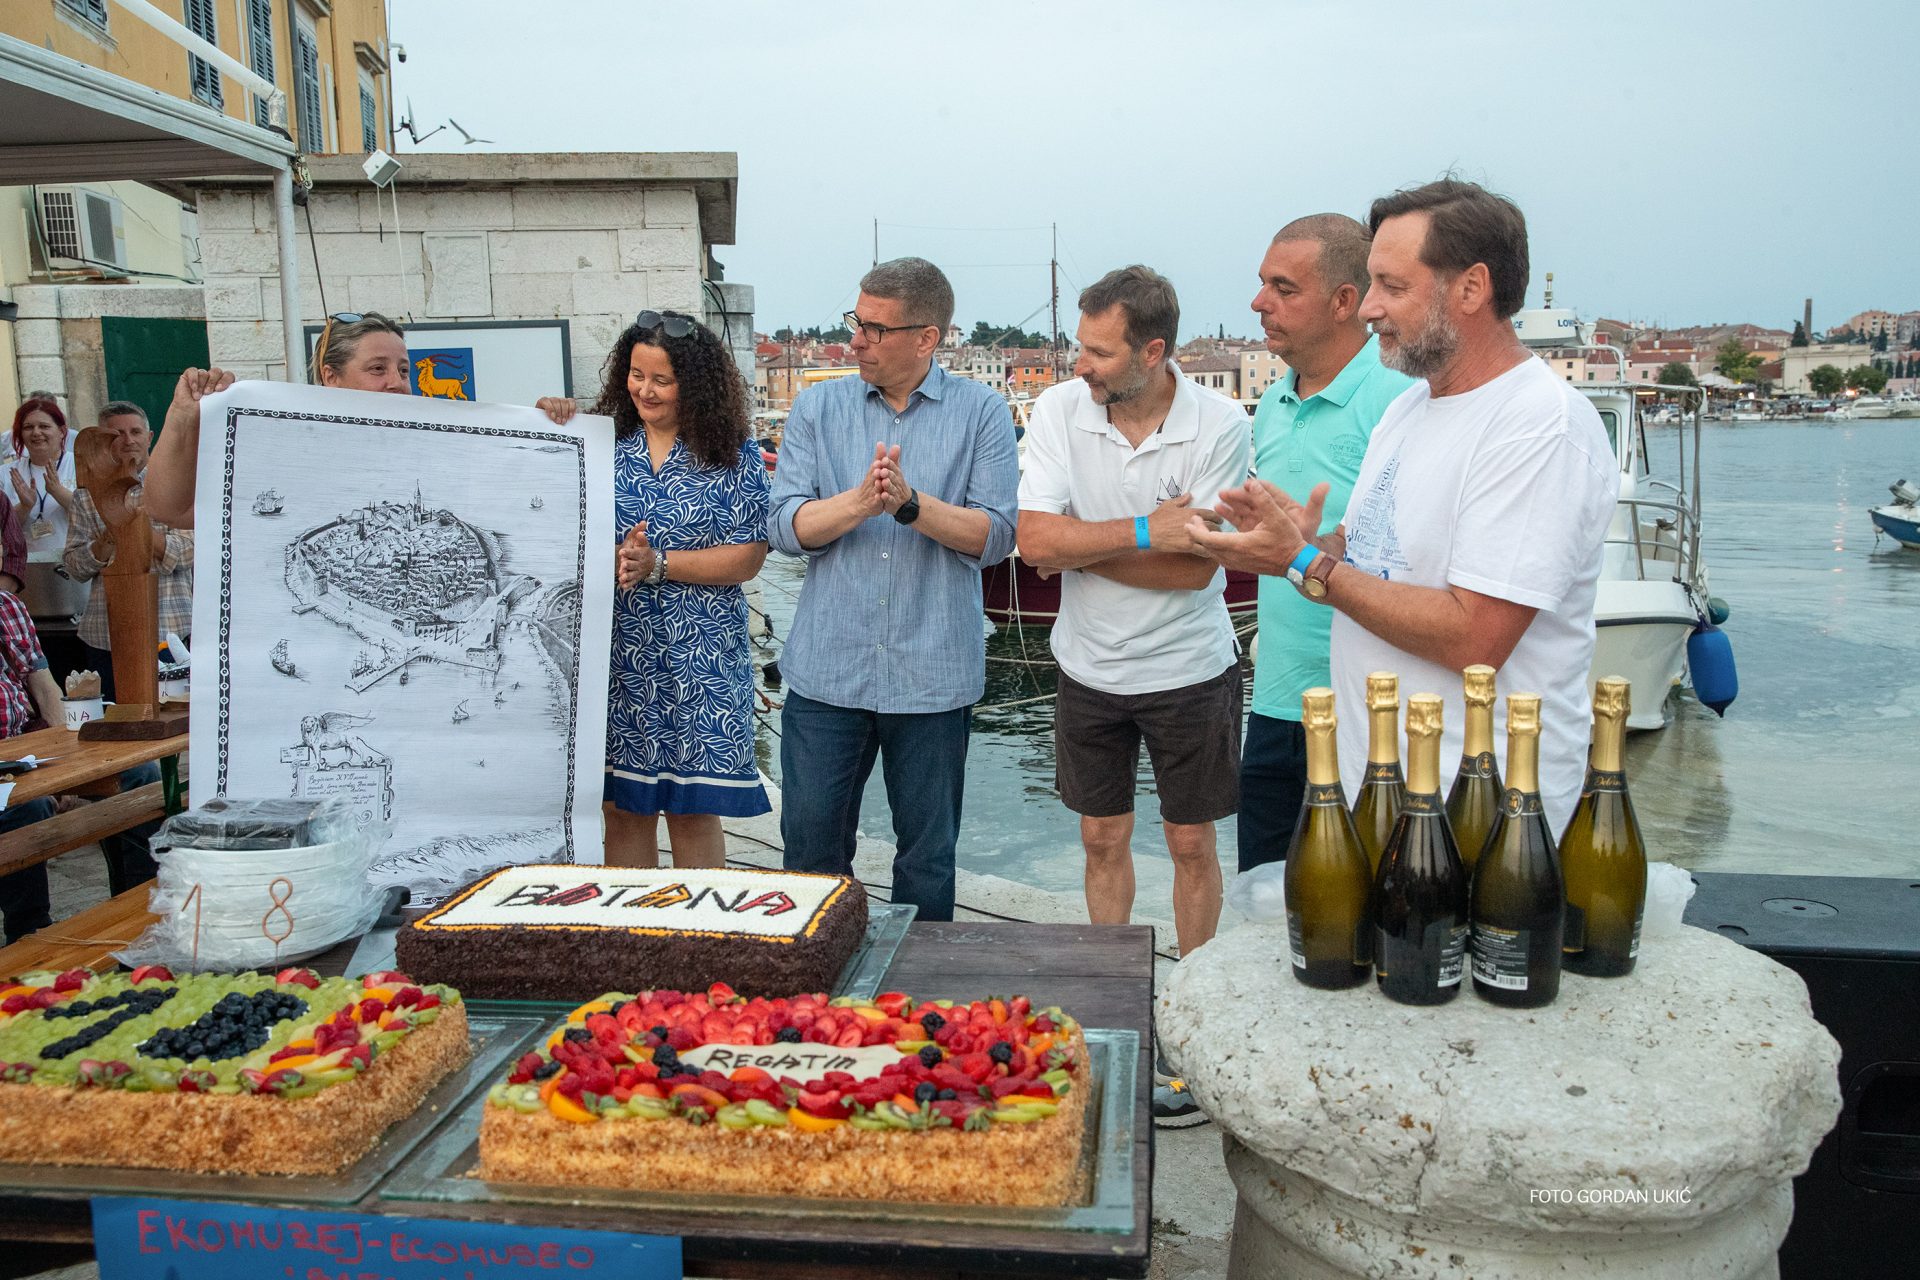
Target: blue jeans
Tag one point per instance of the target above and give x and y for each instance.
(826, 756)
(25, 903)
(1273, 785)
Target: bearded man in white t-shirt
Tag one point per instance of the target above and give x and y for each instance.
(1477, 522)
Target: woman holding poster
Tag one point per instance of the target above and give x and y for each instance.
(359, 352)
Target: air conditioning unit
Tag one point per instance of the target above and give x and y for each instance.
(84, 225)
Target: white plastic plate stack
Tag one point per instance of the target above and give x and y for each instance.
(257, 908)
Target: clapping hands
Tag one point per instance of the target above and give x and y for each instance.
(633, 562)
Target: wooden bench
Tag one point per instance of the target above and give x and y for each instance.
(78, 828)
(87, 940)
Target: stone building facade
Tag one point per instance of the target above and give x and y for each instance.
(591, 238)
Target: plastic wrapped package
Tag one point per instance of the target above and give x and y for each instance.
(1669, 890)
(259, 883)
(1260, 894)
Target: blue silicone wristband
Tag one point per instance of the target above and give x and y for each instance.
(1141, 537)
(1306, 557)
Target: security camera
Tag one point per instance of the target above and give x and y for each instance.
(400, 52)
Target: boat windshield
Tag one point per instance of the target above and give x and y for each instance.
(1611, 419)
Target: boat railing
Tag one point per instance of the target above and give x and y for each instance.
(1674, 529)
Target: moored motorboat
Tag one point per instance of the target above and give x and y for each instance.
(1652, 597)
(1899, 519)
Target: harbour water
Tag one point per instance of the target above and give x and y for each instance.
(1806, 774)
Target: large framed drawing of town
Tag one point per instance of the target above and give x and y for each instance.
(406, 602)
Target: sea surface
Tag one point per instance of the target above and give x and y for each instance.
(1809, 772)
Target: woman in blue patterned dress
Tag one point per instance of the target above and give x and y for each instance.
(690, 497)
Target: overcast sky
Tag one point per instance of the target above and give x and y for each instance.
(1679, 161)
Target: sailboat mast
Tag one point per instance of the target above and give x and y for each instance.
(1053, 279)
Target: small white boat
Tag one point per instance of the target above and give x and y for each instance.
(1864, 407)
(1899, 519)
(1749, 410)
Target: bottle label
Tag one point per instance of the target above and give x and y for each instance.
(1296, 940)
(1500, 957)
(1453, 953)
(1521, 803)
(1383, 773)
(1422, 803)
(1328, 797)
(1480, 766)
(1606, 780)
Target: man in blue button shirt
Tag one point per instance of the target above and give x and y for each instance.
(901, 486)
(1311, 428)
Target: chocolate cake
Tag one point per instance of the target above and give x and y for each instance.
(564, 932)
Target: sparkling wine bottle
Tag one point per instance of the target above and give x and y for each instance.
(1519, 900)
(1602, 855)
(1420, 892)
(1328, 880)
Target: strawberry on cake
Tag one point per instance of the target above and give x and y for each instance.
(888, 1099)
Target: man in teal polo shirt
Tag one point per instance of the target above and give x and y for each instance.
(1312, 427)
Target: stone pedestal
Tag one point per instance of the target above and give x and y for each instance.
(1645, 1127)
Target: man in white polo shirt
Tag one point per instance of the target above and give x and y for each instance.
(1117, 460)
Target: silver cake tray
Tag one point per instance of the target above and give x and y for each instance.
(441, 1169)
(497, 1040)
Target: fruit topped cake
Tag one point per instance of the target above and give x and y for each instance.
(562, 932)
(889, 1099)
(217, 1073)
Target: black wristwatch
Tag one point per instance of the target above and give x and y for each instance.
(908, 511)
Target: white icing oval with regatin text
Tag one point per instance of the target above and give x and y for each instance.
(804, 1062)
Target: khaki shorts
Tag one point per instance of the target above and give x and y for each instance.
(1192, 736)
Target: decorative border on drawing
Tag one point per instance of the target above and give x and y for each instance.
(229, 447)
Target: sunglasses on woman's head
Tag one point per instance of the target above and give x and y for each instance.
(672, 326)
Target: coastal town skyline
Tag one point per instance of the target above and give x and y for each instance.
(1666, 175)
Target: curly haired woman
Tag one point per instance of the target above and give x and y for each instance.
(690, 489)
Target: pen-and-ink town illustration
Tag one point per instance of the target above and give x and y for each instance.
(405, 619)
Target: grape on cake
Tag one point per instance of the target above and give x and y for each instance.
(251, 1073)
(889, 1099)
(541, 932)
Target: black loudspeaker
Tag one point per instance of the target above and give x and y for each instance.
(1855, 941)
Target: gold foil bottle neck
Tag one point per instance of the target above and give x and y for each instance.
(1424, 712)
(1612, 697)
(1523, 713)
(1383, 691)
(1316, 707)
(1479, 684)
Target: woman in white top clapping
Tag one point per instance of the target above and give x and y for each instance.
(39, 481)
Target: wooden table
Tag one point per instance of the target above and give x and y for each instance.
(1103, 975)
(87, 768)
